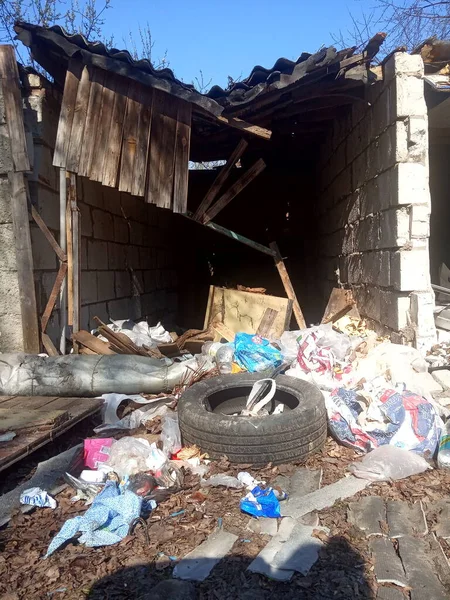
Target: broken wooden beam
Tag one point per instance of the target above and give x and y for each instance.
(48, 234)
(255, 130)
(340, 303)
(91, 342)
(270, 314)
(240, 238)
(53, 296)
(235, 189)
(279, 263)
(219, 180)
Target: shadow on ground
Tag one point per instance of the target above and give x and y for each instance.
(340, 573)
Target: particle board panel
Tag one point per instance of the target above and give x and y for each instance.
(26, 443)
(244, 311)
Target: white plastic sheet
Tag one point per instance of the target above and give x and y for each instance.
(389, 463)
(158, 408)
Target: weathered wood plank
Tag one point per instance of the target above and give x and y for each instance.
(129, 139)
(142, 143)
(92, 120)
(162, 150)
(93, 343)
(79, 121)
(103, 128)
(24, 261)
(53, 296)
(66, 115)
(112, 158)
(287, 284)
(12, 419)
(24, 444)
(235, 189)
(69, 264)
(13, 108)
(270, 314)
(220, 180)
(28, 402)
(48, 234)
(255, 130)
(182, 147)
(49, 345)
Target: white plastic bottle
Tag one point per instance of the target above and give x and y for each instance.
(443, 458)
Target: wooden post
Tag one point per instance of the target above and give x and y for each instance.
(279, 263)
(63, 244)
(24, 261)
(73, 240)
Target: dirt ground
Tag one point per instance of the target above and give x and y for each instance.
(133, 567)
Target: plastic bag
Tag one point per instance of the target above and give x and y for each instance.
(96, 451)
(339, 343)
(261, 503)
(389, 463)
(171, 435)
(134, 455)
(253, 412)
(222, 479)
(255, 354)
(37, 497)
(289, 344)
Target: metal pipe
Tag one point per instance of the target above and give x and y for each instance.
(63, 244)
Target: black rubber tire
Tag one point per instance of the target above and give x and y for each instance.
(290, 436)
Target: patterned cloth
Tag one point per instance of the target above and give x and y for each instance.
(106, 522)
(401, 419)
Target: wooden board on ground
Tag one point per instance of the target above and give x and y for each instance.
(11, 420)
(32, 408)
(340, 303)
(244, 311)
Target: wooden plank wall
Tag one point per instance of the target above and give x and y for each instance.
(125, 135)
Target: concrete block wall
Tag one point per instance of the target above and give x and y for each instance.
(11, 335)
(127, 255)
(374, 204)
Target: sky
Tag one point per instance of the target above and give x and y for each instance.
(230, 38)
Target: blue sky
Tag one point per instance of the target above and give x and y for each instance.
(229, 38)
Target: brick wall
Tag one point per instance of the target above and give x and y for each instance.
(127, 255)
(374, 204)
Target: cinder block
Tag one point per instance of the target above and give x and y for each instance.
(394, 310)
(123, 309)
(43, 169)
(394, 228)
(99, 310)
(97, 255)
(105, 285)
(417, 135)
(420, 221)
(86, 219)
(6, 163)
(410, 270)
(44, 256)
(9, 294)
(121, 228)
(48, 205)
(382, 115)
(376, 268)
(84, 319)
(368, 233)
(111, 200)
(92, 192)
(5, 200)
(11, 338)
(409, 184)
(117, 257)
(48, 281)
(408, 97)
(149, 281)
(103, 225)
(83, 254)
(145, 260)
(88, 287)
(368, 301)
(422, 316)
(122, 284)
(403, 64)
(133, 257)
(355, 268)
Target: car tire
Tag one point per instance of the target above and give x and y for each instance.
(208, 417)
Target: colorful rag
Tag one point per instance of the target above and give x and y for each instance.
(106, 522)
(400, 419)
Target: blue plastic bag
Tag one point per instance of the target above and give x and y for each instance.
(255, 354)
(261, 503)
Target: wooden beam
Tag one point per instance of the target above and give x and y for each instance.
(255, 130)
(279, 263)
(182, 151)
(13, 108)
(49, 345)
(66, 114)
(220, 179)
(24, 262)
(53, 296)
(235, 189)
(69, 265)
(75, 221)
(48, 234)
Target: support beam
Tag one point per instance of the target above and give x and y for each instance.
(48, 234)
(53, 296)
(240, 238)
(63, 244)
(255, 130)
(75, 230)
(279, 263)
(235, 189)
(219, 180)
(24, 261)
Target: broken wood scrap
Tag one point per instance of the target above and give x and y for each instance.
(92, 343)
(264, 328)
(122, 344)
(286, 280)
(257, 290)
(26, 420)
(204, 335)
(339, 304)
(224, 331)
